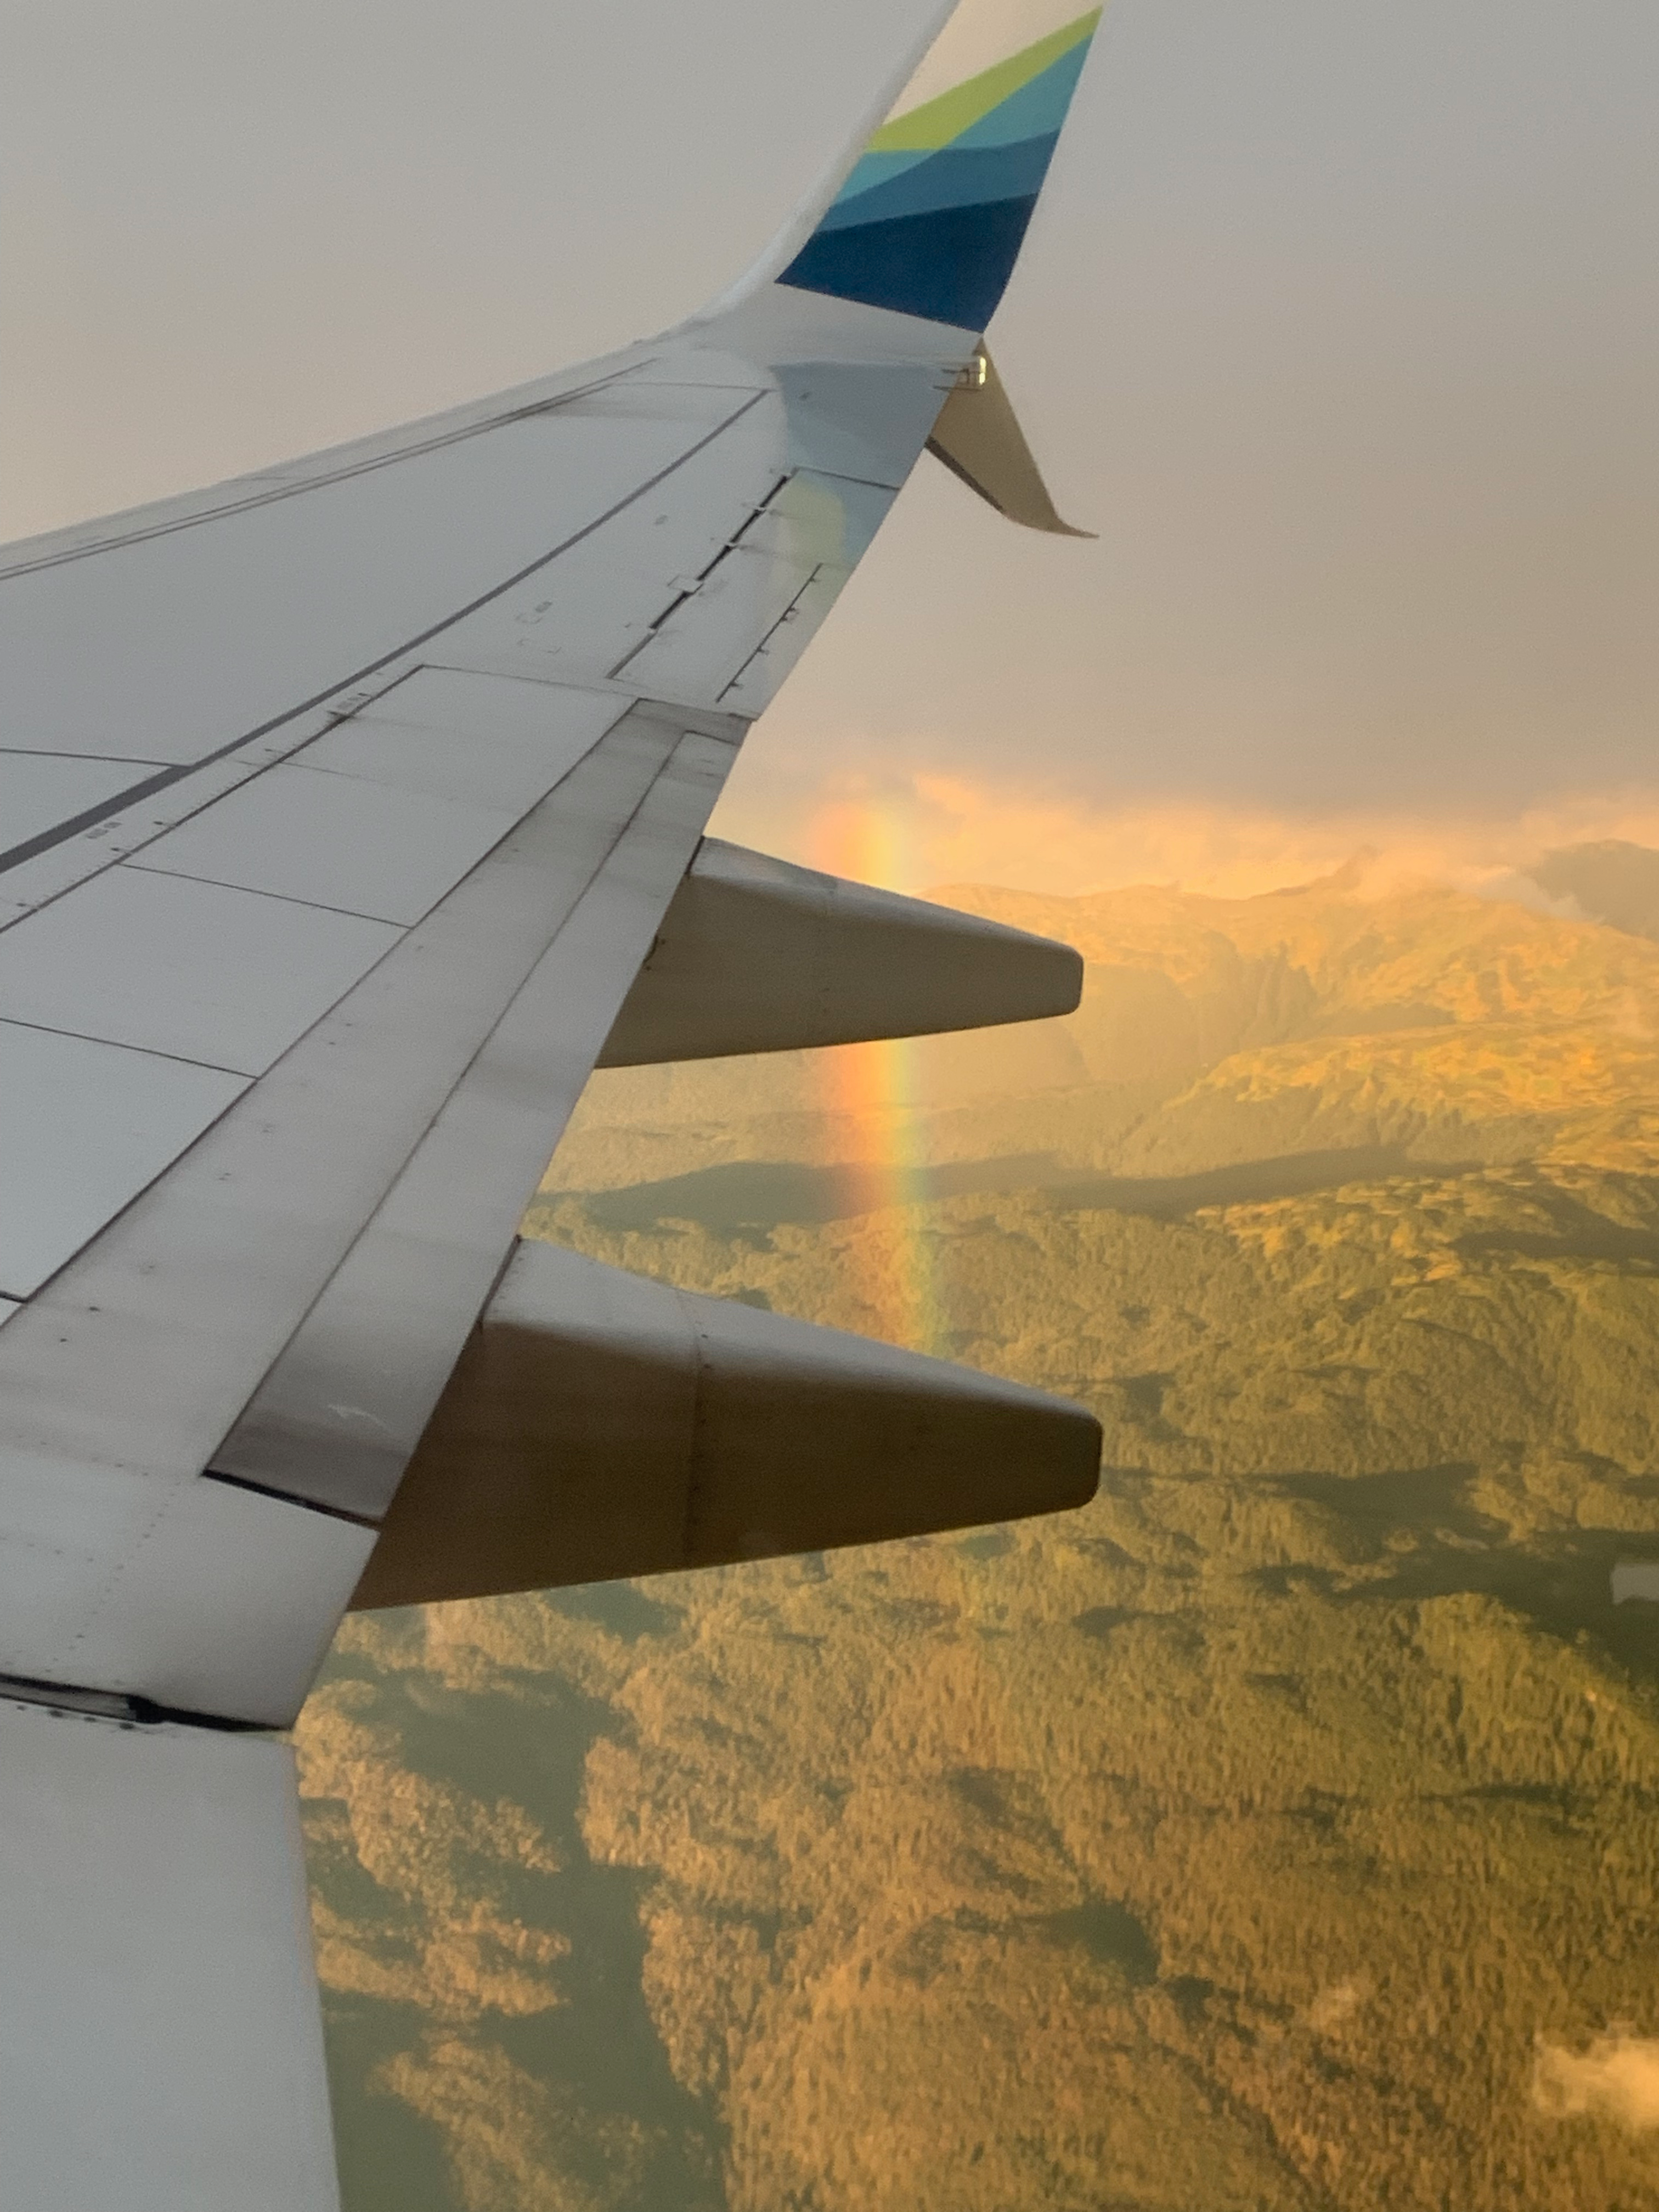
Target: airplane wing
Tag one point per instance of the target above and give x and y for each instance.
(352, 812)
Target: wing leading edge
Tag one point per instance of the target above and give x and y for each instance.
(340, 809)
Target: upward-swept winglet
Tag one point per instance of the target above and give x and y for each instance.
(932, 217)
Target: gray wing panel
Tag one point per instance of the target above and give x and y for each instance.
(290, 1026)
(120, 1566)
(343, 1409)
(134, 1008)
(197, 971)
(87, 1125)
(163, 645)
(161, 2046)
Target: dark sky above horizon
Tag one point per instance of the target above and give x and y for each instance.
(1341, 326)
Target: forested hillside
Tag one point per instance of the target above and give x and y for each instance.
(1282, 1831)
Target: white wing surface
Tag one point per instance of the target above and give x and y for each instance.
(340, 808)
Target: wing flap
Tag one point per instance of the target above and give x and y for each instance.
(197, 1596)
(496, 742)
(199, 971)
(343, 843)
(343, 1409)
(120, 1377)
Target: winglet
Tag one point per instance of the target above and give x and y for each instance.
(925, 211)
(978, 437)
(931, 219)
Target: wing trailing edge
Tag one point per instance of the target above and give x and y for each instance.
(598, 1425)
(756, 955)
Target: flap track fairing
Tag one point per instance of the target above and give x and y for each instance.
(756, 955)
(598, 1425)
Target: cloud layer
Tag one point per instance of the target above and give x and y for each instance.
(1617, 2078)
(908, 831)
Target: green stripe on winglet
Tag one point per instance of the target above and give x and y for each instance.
(925, 129)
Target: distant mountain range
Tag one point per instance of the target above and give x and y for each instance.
(1213, 1032)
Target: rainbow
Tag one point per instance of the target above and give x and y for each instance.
(879, 1087)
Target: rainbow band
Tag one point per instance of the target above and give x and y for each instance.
(932, 219)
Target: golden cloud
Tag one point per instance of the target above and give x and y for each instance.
(909, 831)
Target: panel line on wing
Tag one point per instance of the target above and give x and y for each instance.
(92, 815)
(57, 752)
(789, 615)
(287, 1497)
(149, 1051)
(294, 488)
(732, 544)
(258, 891)
(89, 1125)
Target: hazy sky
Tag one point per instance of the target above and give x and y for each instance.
(1340, 324)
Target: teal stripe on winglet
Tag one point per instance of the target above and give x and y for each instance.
(959, 177)
(931, 220)
(1034, 111)
(874, 170)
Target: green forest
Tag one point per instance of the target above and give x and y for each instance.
(1280, 1832)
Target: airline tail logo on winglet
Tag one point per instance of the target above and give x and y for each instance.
(932, 219)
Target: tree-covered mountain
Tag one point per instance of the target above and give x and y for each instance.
(1282, 1831)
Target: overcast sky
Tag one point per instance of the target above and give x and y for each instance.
(1340, 325)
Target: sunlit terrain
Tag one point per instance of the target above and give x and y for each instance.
(1281, 1833)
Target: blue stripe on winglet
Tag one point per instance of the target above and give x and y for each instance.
(947, 265)
(1036, 109)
